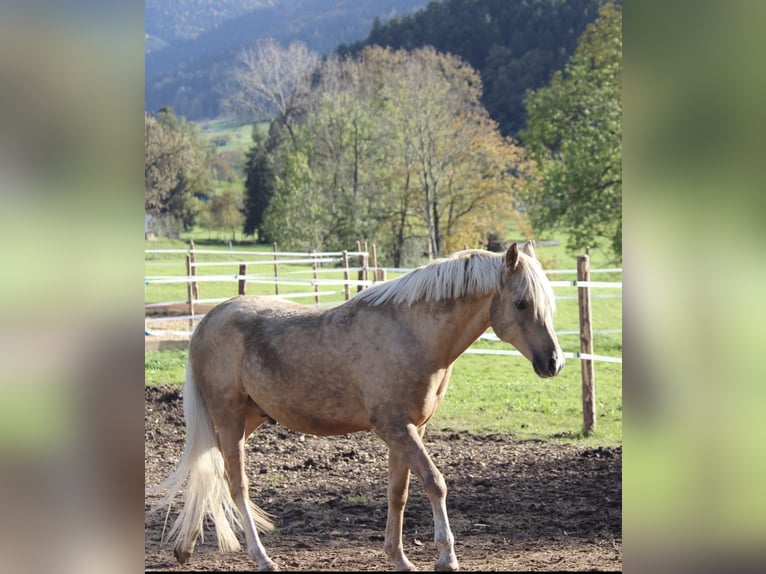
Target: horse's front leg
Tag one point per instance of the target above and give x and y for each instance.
(406, 441)
(398, 489)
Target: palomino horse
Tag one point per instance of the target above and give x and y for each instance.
(380, 361)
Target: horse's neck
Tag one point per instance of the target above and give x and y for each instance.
(455, 325)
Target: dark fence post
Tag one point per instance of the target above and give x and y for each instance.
(586, 346)
(378, 274)
(314, 267)
(345, 275)
(242, 283)
(362, 260)
(276, 275)
(190, 291)
(193, 269)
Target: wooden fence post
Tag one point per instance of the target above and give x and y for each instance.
(193, 269)
(316, 275)
(378, 274)
(586, 346)
(242, 284)
(374, 263)
(362, 275)
(276, 275)
(190, 291)
(345, 275)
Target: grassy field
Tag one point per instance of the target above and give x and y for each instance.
(487, 393)
(237, 135)
(225, 265)
(232, 139)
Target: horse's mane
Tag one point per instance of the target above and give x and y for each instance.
(466, 273)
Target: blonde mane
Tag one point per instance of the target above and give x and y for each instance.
(465, 273)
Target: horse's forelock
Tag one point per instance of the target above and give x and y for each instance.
(534, 285)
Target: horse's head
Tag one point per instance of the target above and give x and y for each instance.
(522, 311)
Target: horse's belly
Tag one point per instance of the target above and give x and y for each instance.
(318, 426)
(313, 408)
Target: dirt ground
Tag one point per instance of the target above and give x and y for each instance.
(513, 506)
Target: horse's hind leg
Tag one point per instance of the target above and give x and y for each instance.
(406, 441)
(235, 425)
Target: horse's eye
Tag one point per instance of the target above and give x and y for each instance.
(520, 304)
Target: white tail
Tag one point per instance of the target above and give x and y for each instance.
(207, 490)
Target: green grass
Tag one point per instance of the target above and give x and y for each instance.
(238, 135)
(501, 394)
(232, 139)
(227, 264)
(165, 367)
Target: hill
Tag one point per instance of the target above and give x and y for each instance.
(514, 44)
(169, 21)
(188, 51)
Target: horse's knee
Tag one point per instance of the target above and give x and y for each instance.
(435, 486)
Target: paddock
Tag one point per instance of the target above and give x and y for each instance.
(514, 505)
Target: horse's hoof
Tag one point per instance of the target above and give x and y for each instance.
(451, 566)
(181, 555)
(268, 566)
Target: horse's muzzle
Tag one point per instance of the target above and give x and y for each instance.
(549, 366)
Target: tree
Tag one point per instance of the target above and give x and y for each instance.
(396, 147)
(295, 217)
(226, 211)
(452, 155)
(176, 169)
(260, 174)
(483, 185)
(341, 137)
(574, 132)
(271, 81)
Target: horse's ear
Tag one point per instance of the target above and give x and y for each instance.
(529, 248)
(512, 257)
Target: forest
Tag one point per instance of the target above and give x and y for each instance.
(514, 45)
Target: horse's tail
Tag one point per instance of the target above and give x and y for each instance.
(207, 490)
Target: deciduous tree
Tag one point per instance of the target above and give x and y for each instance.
(574, 131)
(271, 81)
(226, 211)
(394, 147)
(176, 168)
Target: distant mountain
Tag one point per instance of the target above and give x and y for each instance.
(167, 21)
(190, 44)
